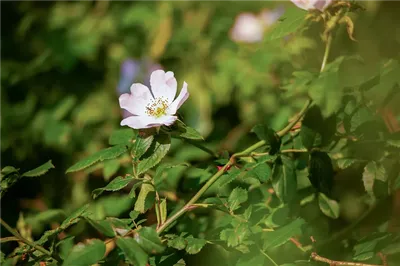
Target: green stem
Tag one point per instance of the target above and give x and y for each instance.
(285, 130)
(327, 51)
(293, 150)
(269, 258)
(188, 205)
(26, 241)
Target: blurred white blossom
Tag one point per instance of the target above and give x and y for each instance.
(250, 28)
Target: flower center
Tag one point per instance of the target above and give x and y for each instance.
(157, 107)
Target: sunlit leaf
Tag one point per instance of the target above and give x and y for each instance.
(158, 151)
(328, 206)
(132, 251)
(282, 235)
(41, 170)
(107, 154)
(149, 240)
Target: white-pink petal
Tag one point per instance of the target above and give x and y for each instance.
(139, 122)
(312, 4)
(136, 101)
(182, 97)
(163, 85)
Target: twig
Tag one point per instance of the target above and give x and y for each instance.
(293, 150)
(319, 258)
(26, 241)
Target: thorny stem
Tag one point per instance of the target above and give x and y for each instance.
(319, 258)
(26, 241)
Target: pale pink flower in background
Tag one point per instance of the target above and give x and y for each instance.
(321, 5)
(250, 28)
(155, 107)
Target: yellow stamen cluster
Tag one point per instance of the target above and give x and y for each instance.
(157, 107)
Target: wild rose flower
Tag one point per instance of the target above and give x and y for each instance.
(321, 5)
(155, 107)
(133, 71)
(249, 28)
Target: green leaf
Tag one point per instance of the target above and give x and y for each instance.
(86, 255)
(134, 215)
(132, 251)
(132, 193)
(107, 154)
(181, 262)
(353, 72)
(284, 179)
(185, 132)
(163, 211)
(344, 163)
(41, 170)
(8, 170)
(194, 245)
(269, 136)
(282, 235)
(327, 93)
(149, 240)
(177, 242)
(160, 148)
(370, 245)
(102, 226)
(375, 179)
(261, 171)
(235, 237)
(116, 184)
(122, 136)
(237, 197)
(141, 204)
(141, 145)
(74, 216)
(394, 143)
(289, 23)
(328, 206)
(320, 171)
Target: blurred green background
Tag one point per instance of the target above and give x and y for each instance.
(61, 67)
